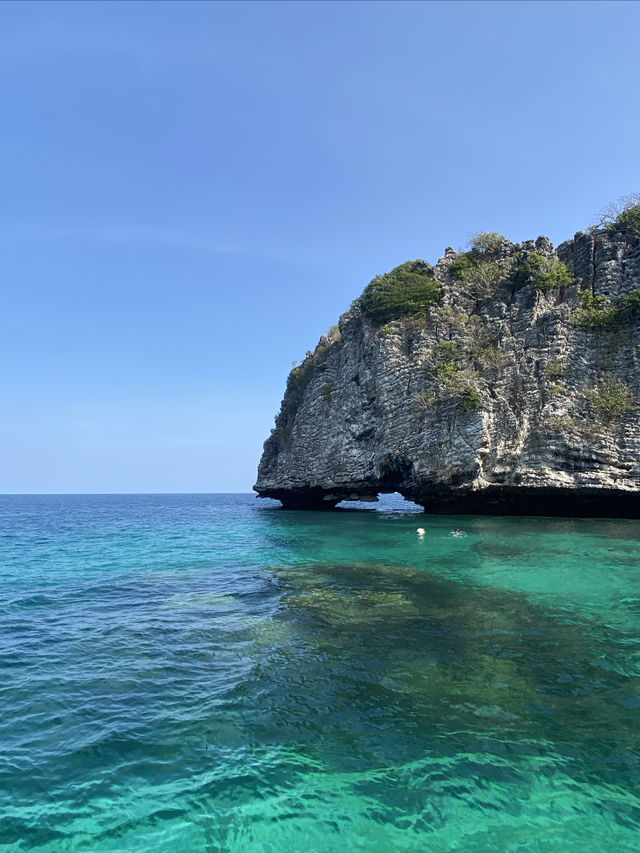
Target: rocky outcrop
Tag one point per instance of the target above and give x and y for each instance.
(517, 390)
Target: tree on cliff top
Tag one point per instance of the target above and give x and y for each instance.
(621, 215)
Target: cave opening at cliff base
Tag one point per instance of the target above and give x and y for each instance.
(383, 502)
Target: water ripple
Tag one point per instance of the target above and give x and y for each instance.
(192, 673)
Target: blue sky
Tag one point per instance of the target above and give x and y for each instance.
(193, 192)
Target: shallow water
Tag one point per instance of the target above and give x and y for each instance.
(212, 673)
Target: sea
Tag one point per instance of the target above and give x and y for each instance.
(212, 672)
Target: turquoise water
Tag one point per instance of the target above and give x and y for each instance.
(213, 673)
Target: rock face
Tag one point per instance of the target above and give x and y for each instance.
(516, 391)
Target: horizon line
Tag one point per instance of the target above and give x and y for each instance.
(99, 494)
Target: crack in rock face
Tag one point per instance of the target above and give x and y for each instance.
(503, 380)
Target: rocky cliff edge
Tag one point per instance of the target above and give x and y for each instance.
(503, 380)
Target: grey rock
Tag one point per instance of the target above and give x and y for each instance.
(518, 428)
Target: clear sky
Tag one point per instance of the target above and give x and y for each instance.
(193, 192)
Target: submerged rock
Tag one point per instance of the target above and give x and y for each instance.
(502, 380)
(436, 655)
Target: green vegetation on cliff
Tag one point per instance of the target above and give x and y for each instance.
(629, 219)
(610, 398)
(544, 273)
(596, 312)
(491, 265)
(479, 269)
(455, 376)
(407, 291)
(621, 215)
(299, 378)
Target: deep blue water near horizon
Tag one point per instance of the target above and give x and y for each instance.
(214, 673)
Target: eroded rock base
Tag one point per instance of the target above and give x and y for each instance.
(595, 503)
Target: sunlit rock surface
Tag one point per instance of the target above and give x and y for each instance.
(509, 400)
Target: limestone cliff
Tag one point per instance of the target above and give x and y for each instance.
(513, 386)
